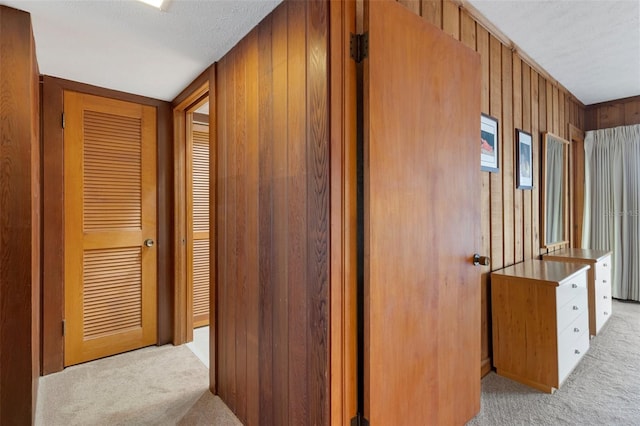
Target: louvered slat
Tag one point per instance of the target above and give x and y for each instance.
(200, 277)
(112, 172)
(200, 180)
(112, 298)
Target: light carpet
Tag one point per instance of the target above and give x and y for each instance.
(165, 385)
(603, 389)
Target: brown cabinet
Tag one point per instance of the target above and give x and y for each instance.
(540, 321)
(598, 281)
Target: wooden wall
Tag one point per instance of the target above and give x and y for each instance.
(19, 219)
(53, 221)
(272, 358)
(621, 112)
(519, 96)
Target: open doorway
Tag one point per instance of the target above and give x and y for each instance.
(198, 227)
(192, 222)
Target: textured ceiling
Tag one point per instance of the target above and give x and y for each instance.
(591, 47)
(130, 46)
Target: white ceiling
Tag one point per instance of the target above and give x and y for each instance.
(130, 46)
(591, 47)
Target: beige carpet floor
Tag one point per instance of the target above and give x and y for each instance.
(165, 385)
(604, 389)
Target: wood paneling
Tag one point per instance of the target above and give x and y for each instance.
(622, 112)
(53, 221)
(272, 184)
(19, 219)
(519, 96)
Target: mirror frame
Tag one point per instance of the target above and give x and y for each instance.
(543, 192)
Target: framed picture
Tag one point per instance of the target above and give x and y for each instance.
(524, 165)
(489, 144)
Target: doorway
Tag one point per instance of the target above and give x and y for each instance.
(192, 215)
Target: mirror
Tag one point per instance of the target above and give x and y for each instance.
(554, 191)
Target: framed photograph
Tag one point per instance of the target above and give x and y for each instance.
(489, 144)
(524, 165)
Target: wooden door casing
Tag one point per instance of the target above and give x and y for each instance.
(110, 210)
(422, 210)
(198, 271)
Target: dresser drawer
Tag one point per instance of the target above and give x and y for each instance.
(603, 310)
(603, 271)
(572, 309)
(577, 285)
(570, 353)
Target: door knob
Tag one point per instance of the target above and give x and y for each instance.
(481, 260)
(148, 242)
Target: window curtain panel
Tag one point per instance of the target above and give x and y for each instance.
(555, 181)
(611, 213)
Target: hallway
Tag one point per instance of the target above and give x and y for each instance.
(166, 385)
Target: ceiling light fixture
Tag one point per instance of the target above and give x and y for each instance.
(154, 3)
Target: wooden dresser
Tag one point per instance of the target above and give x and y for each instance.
(540, 321)
(598, 281)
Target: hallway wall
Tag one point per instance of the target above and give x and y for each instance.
(20, 211)
(272, 201)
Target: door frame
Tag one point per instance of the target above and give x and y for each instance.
(193, 95)
(52, 295)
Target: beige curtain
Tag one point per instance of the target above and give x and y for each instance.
(554, 191)
(612, 192)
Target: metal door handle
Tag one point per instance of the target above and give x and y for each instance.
(481, 260)
(148, 242)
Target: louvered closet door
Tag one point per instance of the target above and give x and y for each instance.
(198, 214)
(110, 210)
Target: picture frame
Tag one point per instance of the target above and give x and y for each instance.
(524, 163)
(489, 144)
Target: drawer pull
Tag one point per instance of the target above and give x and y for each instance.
(577, 352)
(604, 281)
(575, 308)
(574, 285)
(606, 313)
(605, 265)
(577, 330)
(605, 297)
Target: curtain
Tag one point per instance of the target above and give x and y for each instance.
(611, 213)
(555, 181)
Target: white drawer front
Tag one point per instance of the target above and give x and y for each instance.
(571, 310)
(603, 310)
(603, 271)
(570, 289)
(570, 354)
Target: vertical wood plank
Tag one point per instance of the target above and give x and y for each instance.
(556, 110)
(482, 41)
(252, 242)
(317, 164)
(495, 100)
(412, 5)
(508, 165)
(451, 19)
(518, 200)
(240, 240)
(526, 126)
(432, 11)
(265, 209)
(280, 218)
(631, 113)
(535, 149)
(297, 214)
(549, 108)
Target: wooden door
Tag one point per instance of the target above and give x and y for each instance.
(422, 222)
(198, 222)
(110, 211)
